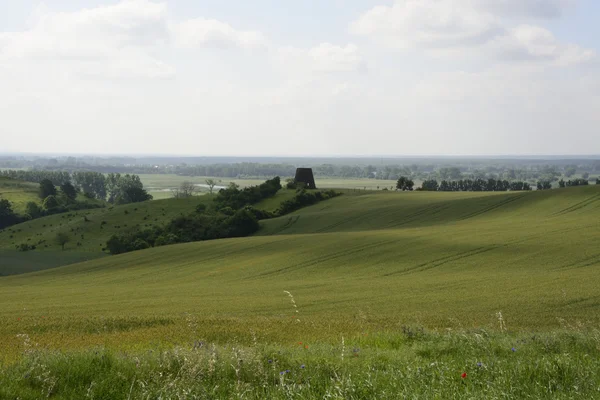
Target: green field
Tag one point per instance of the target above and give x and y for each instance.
(360, 266)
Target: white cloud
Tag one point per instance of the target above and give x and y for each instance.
(533, 43)
(427, 23)
(325, 57)
(200, 32)
(448, 26)
(116, 40)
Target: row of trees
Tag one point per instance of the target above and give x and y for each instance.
(473, 185)
(113, 187)
(574, 182)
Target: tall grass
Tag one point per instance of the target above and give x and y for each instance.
(411, 364)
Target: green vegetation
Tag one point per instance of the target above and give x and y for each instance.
(410, 364)
(422, 286)
(89, 229)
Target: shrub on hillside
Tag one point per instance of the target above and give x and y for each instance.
(303, 199)
(235, 198)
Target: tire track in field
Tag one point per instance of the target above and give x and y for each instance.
(578, 206)
(233, 252)
(441, 261)
(493, 207)
(586, 262)
(290, 221)
(526, 238)
(352, 220)
(414, 216)
(328, 257)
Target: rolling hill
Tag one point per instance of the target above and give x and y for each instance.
(18, 192)
(441, 260)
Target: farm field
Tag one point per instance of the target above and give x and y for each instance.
(429, 282)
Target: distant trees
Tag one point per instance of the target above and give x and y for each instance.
(570, 170)
(574, 182)
(474, 185)
(68, 190)
(62, 239)
(91, 183)
(544, 185)
(123, 189)
(404, 184)
(46, 189)
(211, 183)
(597, 181)
(430, 185)
(452, 173)
(186, 189)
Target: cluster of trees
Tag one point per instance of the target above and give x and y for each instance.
(234, 198)
(187, 228)
(573, 182)
(544, 185)
(405, 184)
(230, 215)
(113, 187)
(304, 199)
(54, 201)
(474, 185)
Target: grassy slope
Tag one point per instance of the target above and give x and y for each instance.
(118, 218)
(18, 193)
(92, 235)
(375, 260)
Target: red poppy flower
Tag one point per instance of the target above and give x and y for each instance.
(463, 375)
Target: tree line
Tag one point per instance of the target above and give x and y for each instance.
(471, 185)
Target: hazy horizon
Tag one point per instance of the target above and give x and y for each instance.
(333, 78)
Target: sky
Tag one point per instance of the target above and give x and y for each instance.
(300, 78)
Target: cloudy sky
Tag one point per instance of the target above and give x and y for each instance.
(291, 77)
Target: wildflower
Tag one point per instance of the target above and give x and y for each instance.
(287, 371)
(302, 366)
(480, 364)
(306, 346)
(282, 373)
(300, 343)
(463, 375)
(513, 349)
(270, 361)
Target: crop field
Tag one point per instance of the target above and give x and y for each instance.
(368, 294)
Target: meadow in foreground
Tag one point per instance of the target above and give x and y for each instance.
(411, 363)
